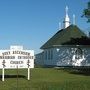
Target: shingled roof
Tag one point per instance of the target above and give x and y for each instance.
(72, 35)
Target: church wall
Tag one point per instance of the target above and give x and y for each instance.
(57, 56)
(65, 56)
(87, 56)
(62, 56)
(39, 59)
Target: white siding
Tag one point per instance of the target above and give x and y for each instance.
(66, 56)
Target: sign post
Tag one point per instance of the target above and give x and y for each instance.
(16, 58)
(17, 77)
(28, 63)
(3, 63)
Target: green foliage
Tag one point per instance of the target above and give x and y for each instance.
(87, 12)
(45, 79)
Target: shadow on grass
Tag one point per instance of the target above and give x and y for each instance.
(80, 72)
(13, 76)
(77, 71)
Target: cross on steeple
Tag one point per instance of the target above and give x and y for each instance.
(66, 10)
(74, 19)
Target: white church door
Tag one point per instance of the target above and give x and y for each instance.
(78, 57)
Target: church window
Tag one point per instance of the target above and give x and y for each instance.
(45, 55)
(51, 54)
(48, 54)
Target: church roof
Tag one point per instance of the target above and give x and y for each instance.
(71, 35)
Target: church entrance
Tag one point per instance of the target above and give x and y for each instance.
(78, 57)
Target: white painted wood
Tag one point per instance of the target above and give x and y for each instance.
(65, 56)
(3, 74)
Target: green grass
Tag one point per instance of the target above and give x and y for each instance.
(45, 79)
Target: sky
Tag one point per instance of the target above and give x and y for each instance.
(30, 23)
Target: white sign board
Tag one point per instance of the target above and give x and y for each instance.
(16, 57)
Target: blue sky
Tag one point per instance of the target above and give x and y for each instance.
(32, 22)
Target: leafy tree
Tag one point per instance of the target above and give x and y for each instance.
(86, 12)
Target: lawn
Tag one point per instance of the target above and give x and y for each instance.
(44, 79)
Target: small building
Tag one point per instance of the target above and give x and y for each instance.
(70, 46)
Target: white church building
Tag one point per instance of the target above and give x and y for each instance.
(70, 46)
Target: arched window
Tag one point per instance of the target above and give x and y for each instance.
(78, 53)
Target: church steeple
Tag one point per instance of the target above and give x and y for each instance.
(66, 19)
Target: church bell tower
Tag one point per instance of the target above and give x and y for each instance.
(66, 19)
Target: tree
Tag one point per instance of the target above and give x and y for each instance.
(86, 12)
